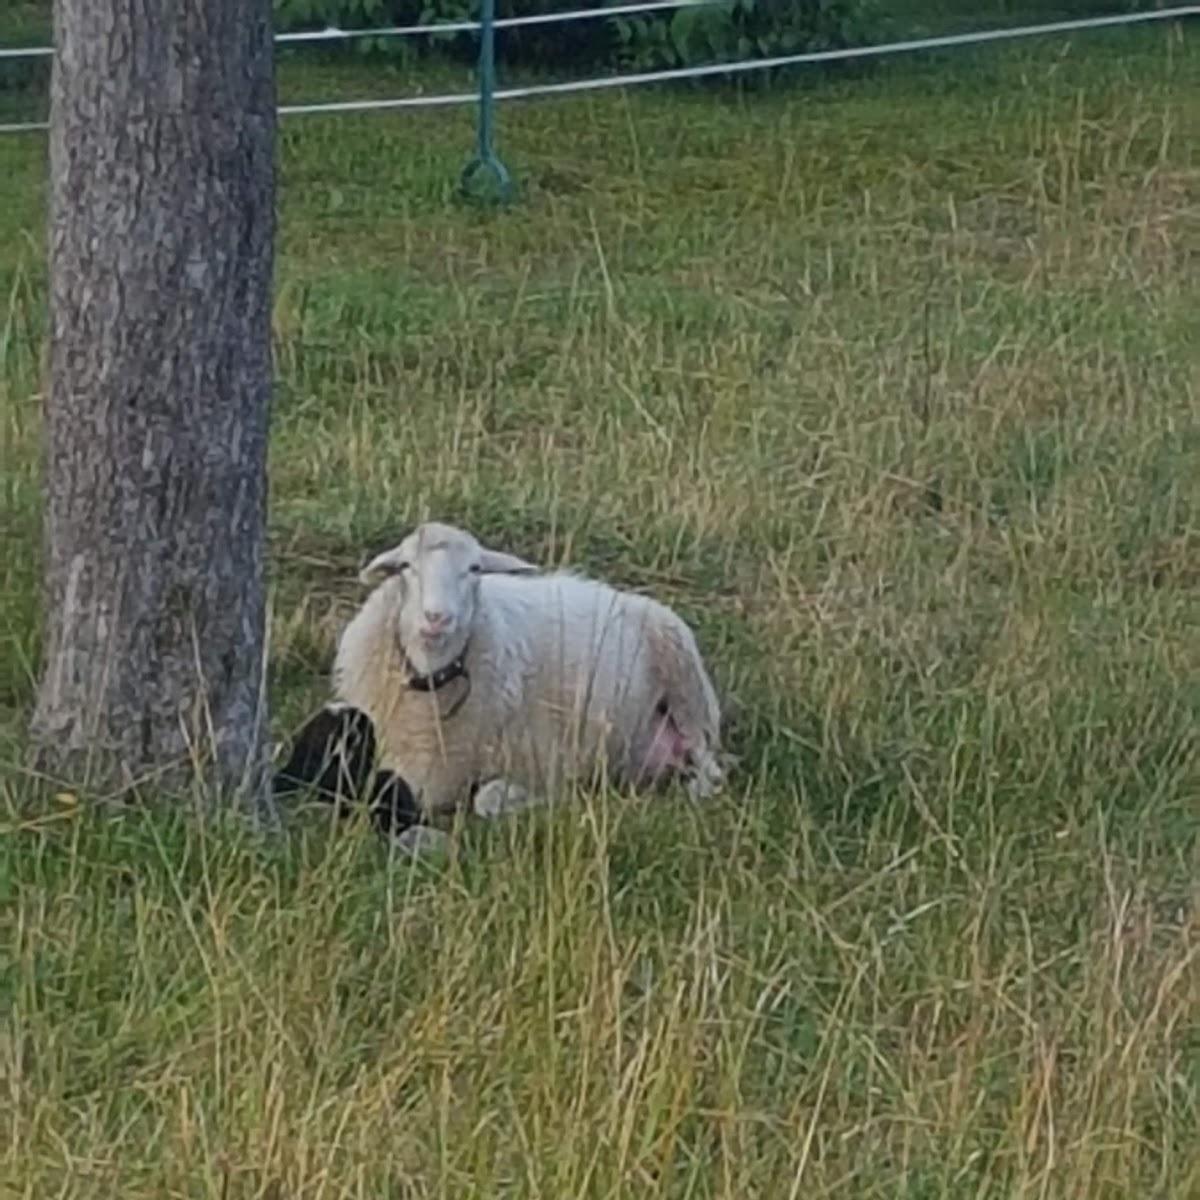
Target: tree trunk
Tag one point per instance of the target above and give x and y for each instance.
(161, 255)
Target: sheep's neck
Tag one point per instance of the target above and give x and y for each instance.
(439, 678)
(427, 673)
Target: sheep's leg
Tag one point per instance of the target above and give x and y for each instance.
(667, 752)
(495, 798)
(498, 797)
(421, 841)
(705, 777)
(393, 806)
(688, 718)
(670, 752)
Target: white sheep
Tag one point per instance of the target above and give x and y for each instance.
(474, 667)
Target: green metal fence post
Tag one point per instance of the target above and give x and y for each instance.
(484, 163)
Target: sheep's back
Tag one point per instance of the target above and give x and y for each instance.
(588, 692)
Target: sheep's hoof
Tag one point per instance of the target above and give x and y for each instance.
(707, 779)
(420, 841)
(497, 797)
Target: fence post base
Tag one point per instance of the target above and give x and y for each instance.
(487, 179)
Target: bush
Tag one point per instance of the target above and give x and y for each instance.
(24, 24)
(919, 18)
(743, 29)
(692, 34)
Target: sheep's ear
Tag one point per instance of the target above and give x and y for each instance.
(383, 566)
(496, 562)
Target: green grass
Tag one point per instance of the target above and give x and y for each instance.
(890, 386)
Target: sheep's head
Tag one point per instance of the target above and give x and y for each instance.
(436, 572)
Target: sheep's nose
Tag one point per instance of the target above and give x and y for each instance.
(435, 620)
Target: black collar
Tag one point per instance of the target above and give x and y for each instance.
(436, 680)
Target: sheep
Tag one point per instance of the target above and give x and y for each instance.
(333, 757)
(333, 754)
(478, 669)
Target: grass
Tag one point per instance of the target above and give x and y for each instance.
(890, 386)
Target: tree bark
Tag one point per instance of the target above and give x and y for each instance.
(161, 257)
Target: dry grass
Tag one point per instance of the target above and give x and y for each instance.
(891, 387)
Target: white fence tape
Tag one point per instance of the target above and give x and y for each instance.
(909, 46)
(332, 33)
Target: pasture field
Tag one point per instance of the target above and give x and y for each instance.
(888, 381)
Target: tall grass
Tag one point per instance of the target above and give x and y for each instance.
(890, 386)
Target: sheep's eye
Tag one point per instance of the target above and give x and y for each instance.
(400, 568)
(475, 568)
